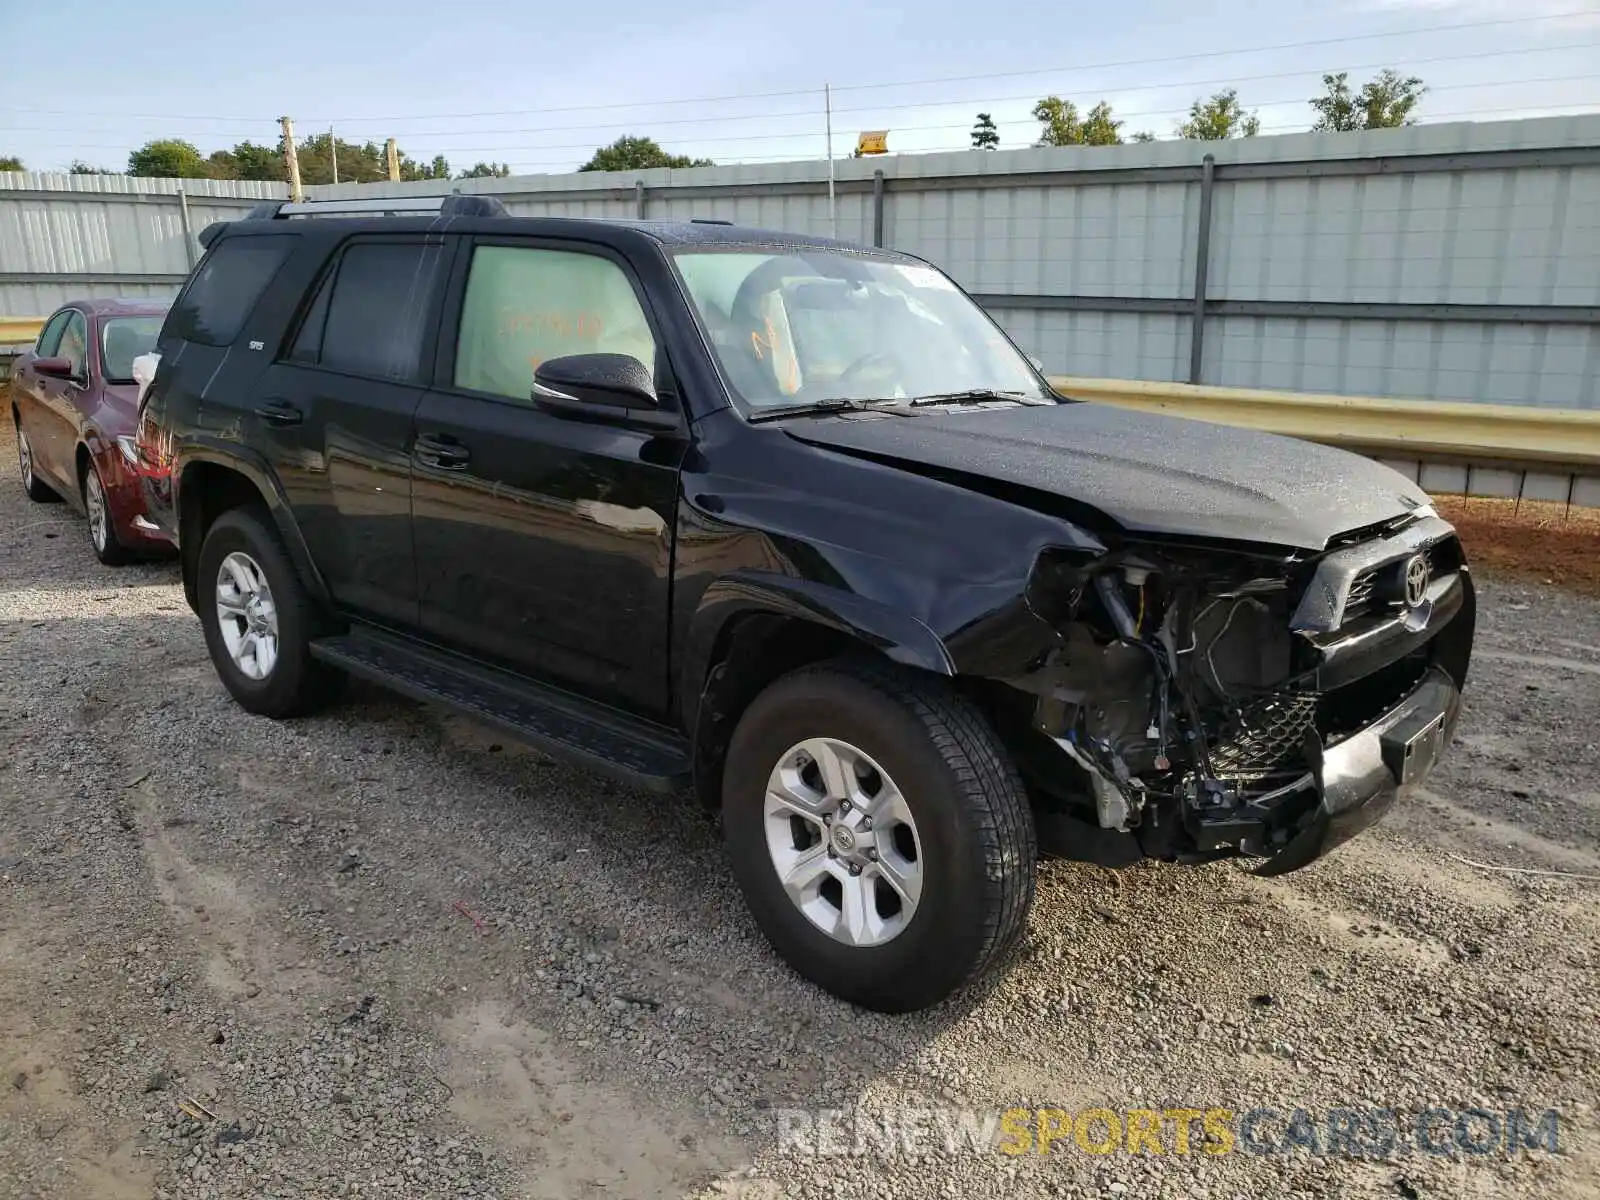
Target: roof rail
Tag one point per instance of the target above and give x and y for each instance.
(453, 205)
(709, 221)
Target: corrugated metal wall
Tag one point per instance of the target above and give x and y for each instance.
(1455, 262)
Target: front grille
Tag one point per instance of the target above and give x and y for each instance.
(1443, 558)
(1266, 737)
(1356, 705)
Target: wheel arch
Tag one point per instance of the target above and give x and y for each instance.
(752, 627)
(210, 483)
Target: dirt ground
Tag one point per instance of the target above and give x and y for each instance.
(380, 952)
(1531, 539)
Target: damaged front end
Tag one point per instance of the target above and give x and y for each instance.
(1199, 703)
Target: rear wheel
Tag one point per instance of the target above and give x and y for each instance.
(108, 548)
(259, 619)
(880, 834)
(30, 480)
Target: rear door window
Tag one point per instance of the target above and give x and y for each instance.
(370, 316)
(225, 287)
(50, 335)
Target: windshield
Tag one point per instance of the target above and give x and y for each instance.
(805, 326)
(123, 339)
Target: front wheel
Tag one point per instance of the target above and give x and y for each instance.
(259, 618)
(880, 834)
(108, 548)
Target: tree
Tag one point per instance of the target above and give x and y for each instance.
(485, 170)
(1058, 122)
(79, 167)
(1218, 119)
(11, 163)
(1144, 135)
(984, 135)
(1099, 129)
(1385, 102)
(249, 161)
(629, 153)
(167, 158)
(1060, 125)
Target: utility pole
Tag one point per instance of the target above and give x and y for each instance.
(391, 155)
(290, 159)
(333, 153)
(827, 105)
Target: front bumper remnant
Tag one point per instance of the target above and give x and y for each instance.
(1361, 777)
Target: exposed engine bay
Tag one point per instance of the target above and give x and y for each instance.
(1196, 692)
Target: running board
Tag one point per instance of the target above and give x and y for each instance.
(563, 725)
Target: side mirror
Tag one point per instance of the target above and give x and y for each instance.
(55, 368)
(614, 380)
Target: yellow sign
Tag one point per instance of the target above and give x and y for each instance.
(873, 141)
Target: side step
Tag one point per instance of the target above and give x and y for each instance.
(565, 726)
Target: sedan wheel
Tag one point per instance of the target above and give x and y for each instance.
(247, 616)
(94, 499)
(30, 481)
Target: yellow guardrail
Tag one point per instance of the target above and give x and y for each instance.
(1500, 433)
(20, 331)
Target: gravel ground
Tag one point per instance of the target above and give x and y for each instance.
(381, 953)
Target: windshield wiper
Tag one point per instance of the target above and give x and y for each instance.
(819, 408)
(970, 396)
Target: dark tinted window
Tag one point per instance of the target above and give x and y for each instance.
(225, 288)
(308, 342)
(380, 302)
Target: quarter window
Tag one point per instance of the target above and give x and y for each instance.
(224, 289)
(524, 305)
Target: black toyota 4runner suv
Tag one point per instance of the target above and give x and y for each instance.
(791, 522)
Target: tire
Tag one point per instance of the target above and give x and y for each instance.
(971, 829)
(244, 543)
(101, 524)
(37, 490)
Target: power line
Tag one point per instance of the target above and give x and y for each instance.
(948, 103)
(1140, 62)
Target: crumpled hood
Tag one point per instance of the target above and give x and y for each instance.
(1149, 474)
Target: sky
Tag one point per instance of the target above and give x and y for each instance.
(539, 86)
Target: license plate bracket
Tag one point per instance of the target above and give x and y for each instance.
(1412, 746)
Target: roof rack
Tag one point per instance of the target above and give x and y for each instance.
(453, 205)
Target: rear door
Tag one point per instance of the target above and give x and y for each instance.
(32, 393)
(335, 413)
(57, 442)
(544, 543)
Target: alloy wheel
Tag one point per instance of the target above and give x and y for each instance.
(94, 499)
(25, 458)
(843, 842)
(247, 615)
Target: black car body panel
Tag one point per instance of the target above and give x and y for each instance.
(1014, 548)
(1149, 474)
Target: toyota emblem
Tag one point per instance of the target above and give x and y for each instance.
(1416, 580)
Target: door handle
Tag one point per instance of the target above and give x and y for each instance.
(279, 412)
(442, 451)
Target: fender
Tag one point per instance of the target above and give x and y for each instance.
(898, 635)
(255, 468)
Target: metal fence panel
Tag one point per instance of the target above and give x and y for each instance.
(1454, 262)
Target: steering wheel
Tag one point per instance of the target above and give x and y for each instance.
(888, 362)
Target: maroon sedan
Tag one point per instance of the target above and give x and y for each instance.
(75, 405)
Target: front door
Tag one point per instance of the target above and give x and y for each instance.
(337, 409)
(544, 543)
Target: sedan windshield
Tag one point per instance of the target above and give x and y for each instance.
(123, 339)
(807, 326)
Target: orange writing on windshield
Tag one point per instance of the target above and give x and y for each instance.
(789, 382)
